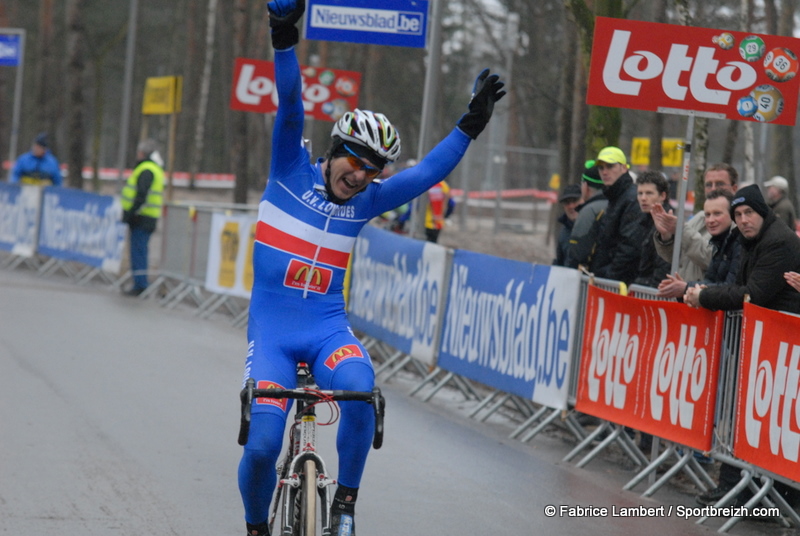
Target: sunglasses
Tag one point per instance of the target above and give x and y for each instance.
(356, 163)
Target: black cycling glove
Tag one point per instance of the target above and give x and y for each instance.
(487, 91)
(283, 15)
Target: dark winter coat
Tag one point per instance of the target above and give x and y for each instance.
(619, 240)
(765, 258)
(724, 264)
(583, 239)
(562, 246)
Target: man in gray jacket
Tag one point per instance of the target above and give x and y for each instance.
(696, 252)
(584, 231)
(777, 190)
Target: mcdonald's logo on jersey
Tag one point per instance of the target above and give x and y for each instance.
(277, 402)
(345, 352)
(299, 274)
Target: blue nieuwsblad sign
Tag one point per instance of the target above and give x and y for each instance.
(378, 22)
(9, 50)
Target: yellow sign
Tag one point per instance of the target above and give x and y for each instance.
(671, 152)
(555, 182)
(247, 277)
(229, 251)
(162, 95)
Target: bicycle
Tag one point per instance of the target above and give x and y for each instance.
(303, 469)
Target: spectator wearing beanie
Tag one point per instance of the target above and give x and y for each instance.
(769, 249)
(583, 238)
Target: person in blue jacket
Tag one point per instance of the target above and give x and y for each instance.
(38, 166)
(308, 220)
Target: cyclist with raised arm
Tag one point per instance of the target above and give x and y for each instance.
(309, 217)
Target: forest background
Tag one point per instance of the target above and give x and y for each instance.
(75, 62)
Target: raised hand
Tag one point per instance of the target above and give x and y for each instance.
(283, 15)
(666, 222)
(487, 90)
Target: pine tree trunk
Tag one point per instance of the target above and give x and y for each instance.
(76, 50)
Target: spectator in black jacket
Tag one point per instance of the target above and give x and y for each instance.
(569, 199)
(769, 250)
(652, 188)
(619, 237)
(725, 246)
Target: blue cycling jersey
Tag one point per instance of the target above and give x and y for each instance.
(303, 241)
(297, 312)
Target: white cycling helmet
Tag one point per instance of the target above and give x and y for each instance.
(371, 130)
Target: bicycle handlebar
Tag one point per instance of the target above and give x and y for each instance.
(375, 398)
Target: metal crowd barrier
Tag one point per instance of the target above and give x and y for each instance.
(180, 278)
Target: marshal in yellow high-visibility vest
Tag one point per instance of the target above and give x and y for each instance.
(142, 200)
(154, 200)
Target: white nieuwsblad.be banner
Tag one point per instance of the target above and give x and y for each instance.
(511, 325)
(397, 290)
(82, 227)
(19, 218)
(230, 255)
(365, 19)
(385, 22)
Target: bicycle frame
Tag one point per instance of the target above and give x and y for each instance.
(303, 470)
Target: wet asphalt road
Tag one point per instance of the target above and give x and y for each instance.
(118, 417)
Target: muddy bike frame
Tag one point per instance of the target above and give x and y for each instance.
(303, 470)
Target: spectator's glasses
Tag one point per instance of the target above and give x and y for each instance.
(356, 163)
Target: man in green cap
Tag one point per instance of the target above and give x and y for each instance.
(584, 231)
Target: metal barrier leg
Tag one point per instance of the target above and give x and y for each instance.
(528, 422)
(211, 304)
(572, 424)
(483, 403)
(759, 494)
(426, 380)
(525, 407)
(542, 425)
(241, 319)
(447, 377)
(407, 359)
(388, 363)
(624, 441)
(683, 461)
(729, 497)
(587, 441)
(494, 407)
(785, 507)
(463, 385)
(650, 468)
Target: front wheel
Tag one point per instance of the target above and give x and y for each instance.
(309, 505)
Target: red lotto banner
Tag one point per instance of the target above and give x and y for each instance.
(651, 365)
(327, 93)
(768, 407)
(673, 69)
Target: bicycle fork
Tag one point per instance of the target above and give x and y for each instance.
(304, 447)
